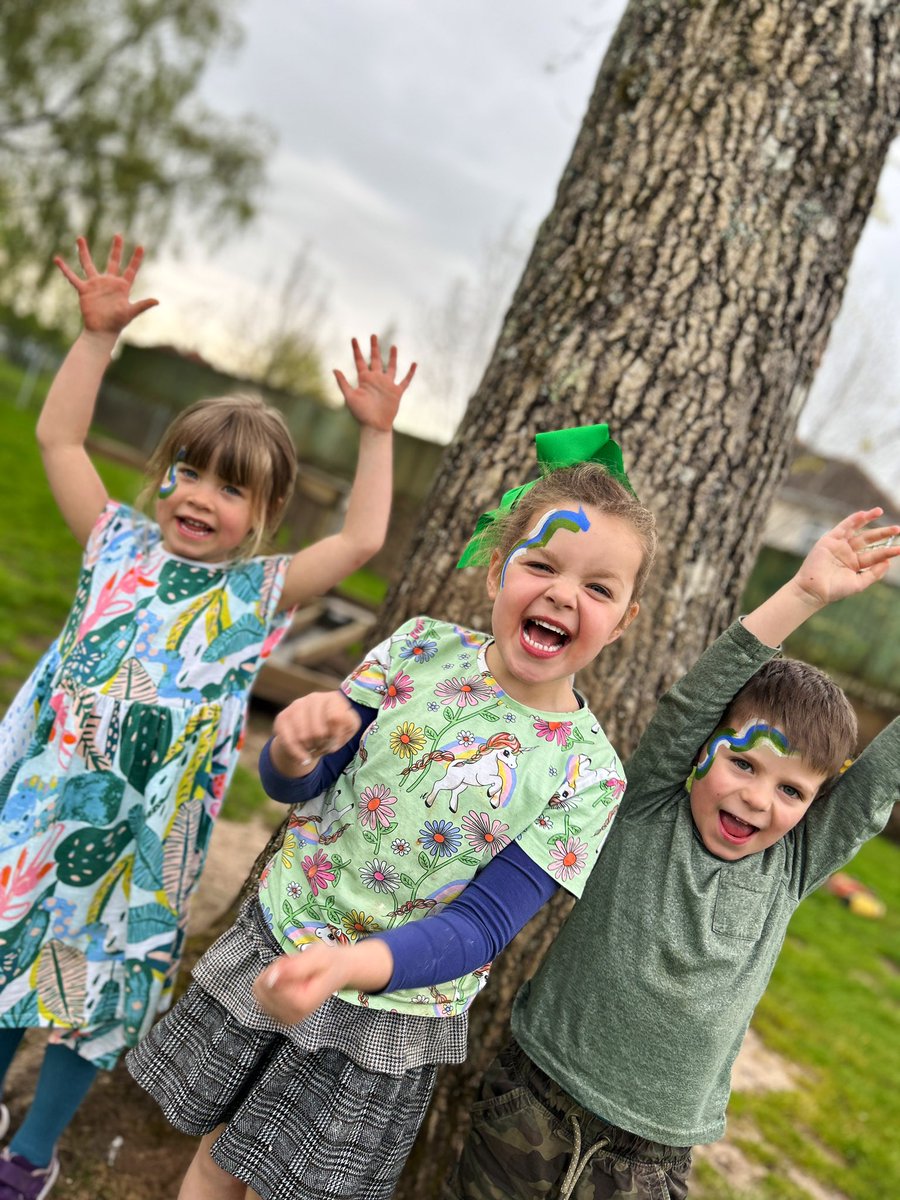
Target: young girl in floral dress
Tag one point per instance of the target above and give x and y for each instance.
(116, 754)
(445, 792)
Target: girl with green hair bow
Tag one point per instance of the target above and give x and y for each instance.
(456, 775)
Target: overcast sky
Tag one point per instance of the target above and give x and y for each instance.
(419, 145)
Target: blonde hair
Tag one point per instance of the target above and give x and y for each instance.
(246, 442)
(588, 483)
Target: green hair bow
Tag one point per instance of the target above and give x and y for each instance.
(555, 449)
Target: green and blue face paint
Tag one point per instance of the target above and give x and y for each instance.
(170, 479)
(541, 533)
(752, 736)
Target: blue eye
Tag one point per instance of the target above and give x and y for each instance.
(742, 764)
(600, 590)
(791, 792)
(187, 472)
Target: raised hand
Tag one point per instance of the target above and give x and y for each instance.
(310, 727)
(106, 306)
(849, 558)
(375, 399)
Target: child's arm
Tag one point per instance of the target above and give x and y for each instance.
(106, 308)
(285, 785)
(374, 403)
(470, 932)
(689, 711)
(844, 561)
(853, 810)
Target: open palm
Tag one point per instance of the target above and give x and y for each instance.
(375, 399)
(105, 297)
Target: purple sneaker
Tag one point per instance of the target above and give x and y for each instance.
(22, 1180)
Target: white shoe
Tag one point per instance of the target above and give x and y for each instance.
(4, 1119)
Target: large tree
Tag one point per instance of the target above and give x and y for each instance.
(682, 288)
(101, 127)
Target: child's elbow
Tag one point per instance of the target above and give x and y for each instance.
(364, 548)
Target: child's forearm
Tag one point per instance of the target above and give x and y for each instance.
(62, 429)
(784, 612)
(366, 966)
(69, 407)
(369, 505)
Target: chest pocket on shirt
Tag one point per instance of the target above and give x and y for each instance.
(741, 908)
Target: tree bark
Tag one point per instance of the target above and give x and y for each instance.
(682, 288)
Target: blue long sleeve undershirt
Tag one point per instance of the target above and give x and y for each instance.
(469, 932)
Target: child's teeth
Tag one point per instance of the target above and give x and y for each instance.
(540, 645)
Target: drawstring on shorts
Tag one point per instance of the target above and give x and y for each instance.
(578, 1161)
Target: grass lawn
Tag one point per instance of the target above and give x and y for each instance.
(832, 1007)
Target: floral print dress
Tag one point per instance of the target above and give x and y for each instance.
(449, 772)
(114, 759)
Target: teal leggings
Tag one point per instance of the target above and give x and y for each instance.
(63, 1083)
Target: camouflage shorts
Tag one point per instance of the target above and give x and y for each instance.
(530, 1139)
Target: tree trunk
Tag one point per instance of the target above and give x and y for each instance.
(682, 288)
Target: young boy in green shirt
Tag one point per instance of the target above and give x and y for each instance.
(734, 812)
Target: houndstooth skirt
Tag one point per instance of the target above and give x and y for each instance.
(299, 1125)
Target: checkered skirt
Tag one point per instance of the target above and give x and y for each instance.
(299, 1125)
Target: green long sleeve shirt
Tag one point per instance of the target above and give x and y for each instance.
(643, 1000)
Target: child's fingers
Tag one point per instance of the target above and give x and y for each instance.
(852, 524)
(391, 369)
(882, 553)
(76, 281)
(343, 384)
(115, 255)
(358, 361)
(134, 263)
(140, 306)
(84, 257)
(407, 379)
(375, 363)
(878, 535)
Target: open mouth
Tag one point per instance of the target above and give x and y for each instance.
(193, 528)
(543, 637)
(734, 829)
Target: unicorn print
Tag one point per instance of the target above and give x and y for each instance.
(581, 775)
(482, 770)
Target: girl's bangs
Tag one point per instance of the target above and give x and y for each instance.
(235, 452)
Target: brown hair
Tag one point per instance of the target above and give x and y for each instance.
(246, 442)
(588, 483)
(808, 707)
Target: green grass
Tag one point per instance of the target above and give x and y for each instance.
(246, 800)
(40, 559)
(831, 1007)
(365, 587)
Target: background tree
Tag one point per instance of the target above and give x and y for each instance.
(682, 288)
(100, 128)
(280, 349)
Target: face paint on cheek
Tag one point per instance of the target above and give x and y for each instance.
(543, 531)
(749, 737)
(170, 479)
